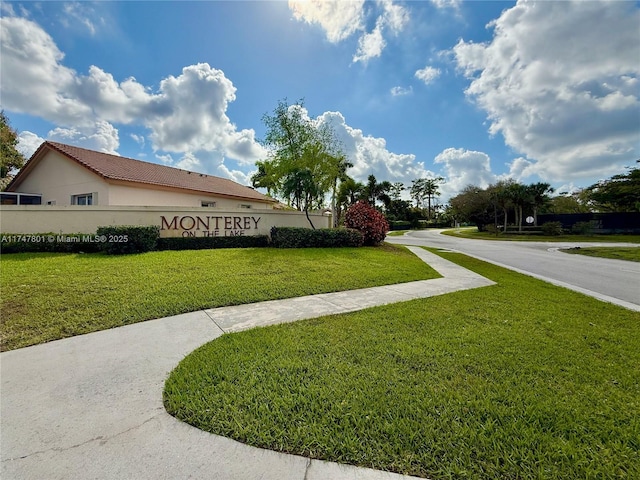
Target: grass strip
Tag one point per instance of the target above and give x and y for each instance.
(51, 296)
(631, 254)
(524, 237)
(522, 380)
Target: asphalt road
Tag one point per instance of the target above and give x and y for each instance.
(615, 281)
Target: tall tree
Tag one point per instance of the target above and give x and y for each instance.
(539, 196)
(520, 196)
(417, 191)
(349, 192)
(500, 194)
(432, 190)
(10, 157)
(425, 188)
(472, 204)
(302, 155)
(396, 190)
(375, 190)
(620, 193)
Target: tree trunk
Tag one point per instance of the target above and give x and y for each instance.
(306, 212)
(519, 218)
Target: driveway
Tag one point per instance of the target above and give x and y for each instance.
(614, 281)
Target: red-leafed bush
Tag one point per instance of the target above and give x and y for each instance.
(368, 220)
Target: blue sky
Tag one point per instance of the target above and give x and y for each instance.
(470, 91)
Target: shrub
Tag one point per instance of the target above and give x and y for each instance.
(117, 240)
(291, 237)
(48, 242)
(368, 220)
(582, 228)
(400, 225)
(552, 228)
(201, 243)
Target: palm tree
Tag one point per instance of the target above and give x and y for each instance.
(539, 193)
(396, 190)
(377, 191)
(520, 196)
(349, 192)
(417, 191)
(431, 190)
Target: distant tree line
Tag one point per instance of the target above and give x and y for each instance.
(507, 202)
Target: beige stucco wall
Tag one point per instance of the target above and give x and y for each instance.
(86, 219)
(57, 178)
(144, 196)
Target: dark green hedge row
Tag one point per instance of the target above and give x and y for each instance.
(291, 237)
(119, 240)
(200, 243)
(123, 239)
(49, 242)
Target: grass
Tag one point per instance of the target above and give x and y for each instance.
(521, 380)
(51, 296)
(475, 234)
(396, 233)
(631, 254)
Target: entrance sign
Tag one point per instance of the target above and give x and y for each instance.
(209, 225)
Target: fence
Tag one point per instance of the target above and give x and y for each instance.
(622, 222)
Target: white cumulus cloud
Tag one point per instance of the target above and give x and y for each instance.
(428, 74)
(103, 137)
(559, 81)
(187, 114)
(370, 155)
(399, 91)
(28, 143)
(339, 19)
(464, 167)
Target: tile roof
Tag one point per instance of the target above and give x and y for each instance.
(114, 167)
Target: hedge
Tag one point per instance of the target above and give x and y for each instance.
(118, 240)
(201, 243)
(292, 237)
(49, 242)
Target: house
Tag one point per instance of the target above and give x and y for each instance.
(64, 175)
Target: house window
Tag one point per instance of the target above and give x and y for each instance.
(51, 202)
(13, 198)
(244, 205)
(84, 199)
(208, 204)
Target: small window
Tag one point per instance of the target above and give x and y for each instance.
(51, 202)
(244, 205)
(84, 199)
(208, 204)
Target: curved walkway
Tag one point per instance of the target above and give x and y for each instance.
(90, 407)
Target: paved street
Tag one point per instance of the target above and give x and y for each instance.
(615, 281)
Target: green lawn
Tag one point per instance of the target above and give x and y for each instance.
(520, 380)
(631, 254)
(472, 232)
(396, 233)
(45, 297)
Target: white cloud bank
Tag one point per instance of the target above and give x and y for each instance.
(340, 19)
(186, 114)
(370, 155)
(560, 82)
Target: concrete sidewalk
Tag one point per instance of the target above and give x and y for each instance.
(90, 407)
